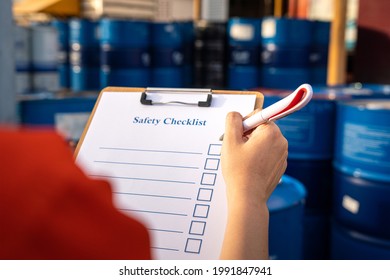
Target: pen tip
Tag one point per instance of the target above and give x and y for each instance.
(221, 137)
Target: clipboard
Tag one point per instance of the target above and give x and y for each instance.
(162, 159)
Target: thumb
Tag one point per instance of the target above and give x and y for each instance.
(233, 128)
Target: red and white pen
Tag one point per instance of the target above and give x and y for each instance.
(291, 103)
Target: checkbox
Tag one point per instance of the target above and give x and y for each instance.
(214, 150)
(201, 211)
(197, 227)
(205, 194)
(211, 164)
(193, 245)
(208, 179)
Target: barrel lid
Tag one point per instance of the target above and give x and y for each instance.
(288, 193)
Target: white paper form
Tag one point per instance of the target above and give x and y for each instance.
(163, 162)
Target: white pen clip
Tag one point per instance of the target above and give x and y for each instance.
(291, 103)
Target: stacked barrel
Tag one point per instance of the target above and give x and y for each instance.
(361, 195)
(286, 47)
(167, 55)
(319, 52)
(210, 54)
(125, 53)
(244, 38)
(188, 33)
(84, 55)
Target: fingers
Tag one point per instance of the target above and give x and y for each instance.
(233, 128)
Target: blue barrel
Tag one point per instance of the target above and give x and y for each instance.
(348, 244)
(188, 31)
(244, 39)
(167, 77)
(362, 205)
(319, 52)
(283, 78)
(62, 27)
(125, 53)
(84, 55)
(363, 139)
(210, 55)
(309, 131)
(286, 31)
(286, 206)
(243, 77)
(44, 58)
(42, 109)
(167, 55)
(285, 55)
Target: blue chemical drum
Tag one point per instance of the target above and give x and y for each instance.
(309, 131)
(243, 77)
(188, 31)
(244, 39)
(286, 206)
(210, 55)
(62, 27)
(168, 77)
(285, 56)
(125, 53)
(283, 78)
(310, 135)
(362, 205)
(68, 115)
(347, 244)
(286, 49)
(167, 54)
(84, 55)
(286, 31)
(41, 110)
(319, 52)
(44, 58)
(363, 139)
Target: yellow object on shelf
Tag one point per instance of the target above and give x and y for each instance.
(52, 7)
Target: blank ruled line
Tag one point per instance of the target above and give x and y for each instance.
(142, 179)
(145, 164)
(151, 151)
(167, 249)
(154, 212)
(154, 195)
(165, 230)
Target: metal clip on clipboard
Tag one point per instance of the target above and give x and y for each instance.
(147, 96)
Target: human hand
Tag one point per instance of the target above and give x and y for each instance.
(252, 164)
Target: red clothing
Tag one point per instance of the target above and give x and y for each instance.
(50, 210)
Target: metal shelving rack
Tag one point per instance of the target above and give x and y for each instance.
(8, 110)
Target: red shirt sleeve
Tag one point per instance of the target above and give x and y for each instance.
(50, 210)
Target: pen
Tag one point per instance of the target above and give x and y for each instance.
(291, 103)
